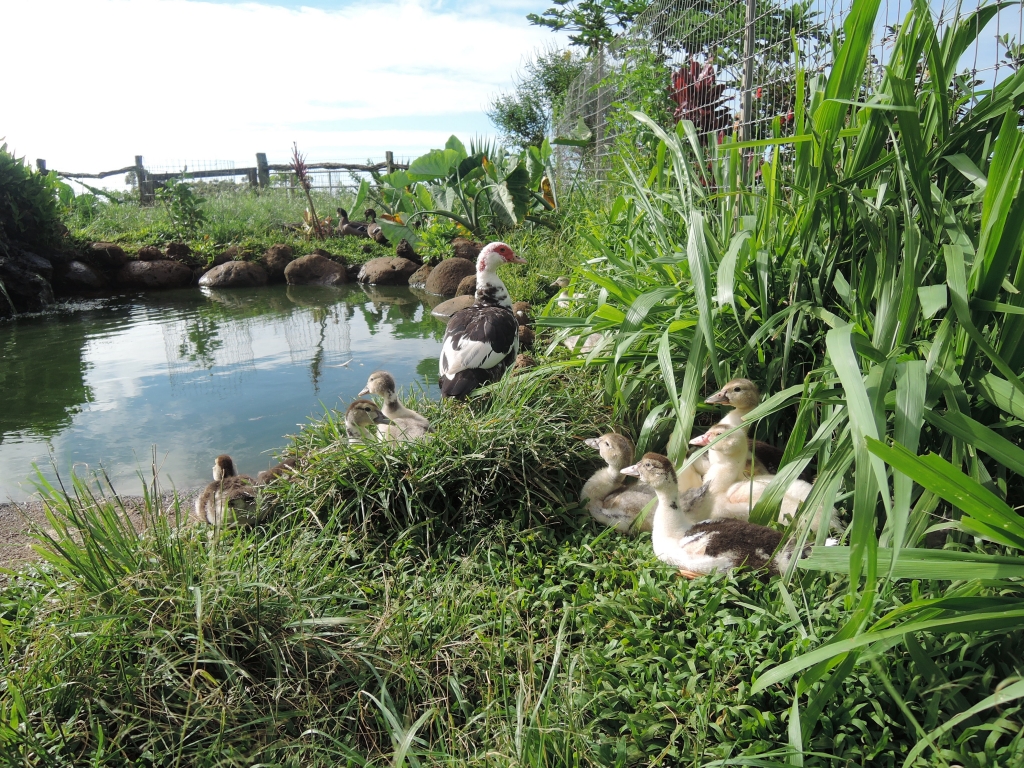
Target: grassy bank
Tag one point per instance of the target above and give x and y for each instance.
(446, 603)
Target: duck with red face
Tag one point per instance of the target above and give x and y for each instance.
(482, 340)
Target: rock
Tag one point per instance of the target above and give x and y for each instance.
(445, 277)
(387, 270)
(180, 251)
(150, 253)
(155, 274)
(352, 271)
(275, 260)
(526, 337)
(235, 274)
(467, 286)
(405, 251)
(419, 277)
(315, 269)
(231, 253)
(524, 361)
(466, 249)
(106, 256)
(33, 263)
(78, 275)
(27, 290)
(448, 308)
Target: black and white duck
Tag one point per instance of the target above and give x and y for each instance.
(482, 340)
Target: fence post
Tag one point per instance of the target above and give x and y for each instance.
(40, 165)
(262, 170)
(145, 185)
(253, 178)
(747, 127)
(389, 160)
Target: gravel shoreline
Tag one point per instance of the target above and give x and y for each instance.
(18, 520)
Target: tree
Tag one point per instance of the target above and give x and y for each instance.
(525, 114)
(593, 21)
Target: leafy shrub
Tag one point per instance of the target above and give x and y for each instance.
(28, 204)
(184, 206)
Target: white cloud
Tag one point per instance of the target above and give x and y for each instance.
(99, 81)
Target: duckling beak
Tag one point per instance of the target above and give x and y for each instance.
(633, 470)
(701, 440)
(718, 398)
(365, 390)
(592, 442)
(381, 419)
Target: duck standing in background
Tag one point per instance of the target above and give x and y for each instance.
(350, 228)
(373, 229)
(482, 340)
(230, 498)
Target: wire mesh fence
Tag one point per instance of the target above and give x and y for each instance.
(729, 67)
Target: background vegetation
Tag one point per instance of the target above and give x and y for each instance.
(450, 603)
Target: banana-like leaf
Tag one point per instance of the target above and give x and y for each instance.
(937, 564)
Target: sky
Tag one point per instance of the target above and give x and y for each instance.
(89, 84)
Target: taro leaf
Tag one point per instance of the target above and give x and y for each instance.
(397, 179)
(395, 232)
(454, 143)
(468, 166)
(503, 205)
(518, 184)
(436, 164)
(364, 189)
(580, 136)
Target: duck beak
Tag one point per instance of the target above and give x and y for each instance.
(630, 471)
(518, 260)
(592, 442)
(381, 419)
(718, 398)
(363, 391)
(701, 440)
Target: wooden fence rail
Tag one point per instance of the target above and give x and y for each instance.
(258, 176)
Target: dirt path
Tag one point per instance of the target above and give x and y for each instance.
(17, 521)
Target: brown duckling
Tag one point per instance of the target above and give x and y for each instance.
(406, 424)
(363, 420)
(230, 498)
(285, 469)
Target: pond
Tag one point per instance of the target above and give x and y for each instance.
(196, 373)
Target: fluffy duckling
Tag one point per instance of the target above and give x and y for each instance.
(699, 548)
(364, 420)
(406, 424)
(230, 498)
(731, 493)
(590, 342)
(285, 469)
(609, 500)
(564, 297)
(744, 396)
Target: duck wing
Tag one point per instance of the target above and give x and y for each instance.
(479, 338)
(743, 543)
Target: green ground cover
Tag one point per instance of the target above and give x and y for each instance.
(450, 603)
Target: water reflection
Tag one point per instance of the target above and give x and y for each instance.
(197, 373)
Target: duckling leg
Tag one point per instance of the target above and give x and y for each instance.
(689, 574)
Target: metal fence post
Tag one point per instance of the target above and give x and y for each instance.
(145, 185)
(747, 127)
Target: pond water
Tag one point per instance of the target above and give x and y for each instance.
(195, 373)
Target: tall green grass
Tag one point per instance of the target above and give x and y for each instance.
(869, 275)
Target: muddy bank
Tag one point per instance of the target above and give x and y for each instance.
(18, 521)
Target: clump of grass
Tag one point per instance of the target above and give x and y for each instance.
(514, 453)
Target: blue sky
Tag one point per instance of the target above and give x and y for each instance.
(220, 80)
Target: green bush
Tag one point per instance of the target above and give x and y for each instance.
(28, 202)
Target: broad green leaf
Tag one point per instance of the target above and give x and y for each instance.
(937, 564)
(932, 298)
(981, 437)
(436, 164)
